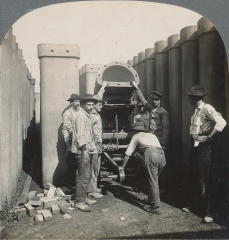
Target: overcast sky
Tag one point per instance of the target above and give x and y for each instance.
(105, 31)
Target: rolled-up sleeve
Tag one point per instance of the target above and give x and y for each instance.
(67, 126)
(132, 146)
(216, 117)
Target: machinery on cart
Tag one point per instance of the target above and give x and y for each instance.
(116, 117)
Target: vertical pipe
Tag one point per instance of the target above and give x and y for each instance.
(150, 73)
(20, 109)
(211, 64)
(14, 162)
(142, 73)
(80, 81)
(91, 71)
(190, 76)
(162, 71)
(56, 87)
(175, 94)
(135, 66)
(6, 117)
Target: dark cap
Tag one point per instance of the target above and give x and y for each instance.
(156, 95)
(89, 97)
(197, 90)
(74, 97)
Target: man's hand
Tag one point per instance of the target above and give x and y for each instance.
(201, 138)
(85, 158)
(105, 84)
(134, 85)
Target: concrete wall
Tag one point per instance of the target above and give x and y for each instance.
(15, 117)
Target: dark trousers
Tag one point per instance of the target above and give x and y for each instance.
(84, 177)
(71, 163)
(154, 162)
(202, 161)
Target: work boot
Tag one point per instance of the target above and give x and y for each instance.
(150, 209)
(95, 195)
(82, 207)
(207, 220)
(90, 201)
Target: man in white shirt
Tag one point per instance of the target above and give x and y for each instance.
(153, 162)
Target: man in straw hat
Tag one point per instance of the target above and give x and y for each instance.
(98, 132)
(84, 148)
(153, 162)
(205, 122)
(69, 116)
(159, 117)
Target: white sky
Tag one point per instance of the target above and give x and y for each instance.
(105, 31)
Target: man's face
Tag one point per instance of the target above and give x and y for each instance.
(192, 99)
(75, 104)
(88, 106)
(98, 107)
(156, 103)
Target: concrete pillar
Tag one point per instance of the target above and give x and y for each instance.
(37, 111)
(59, 71)
(20, 108)
(130, 62)
(162, 71)
(190, 76)
(6, 117)
(91, 71)
(212, 64)
(175, 105)
(142, 73)
(150, 73)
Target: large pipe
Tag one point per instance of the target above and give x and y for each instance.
(136, 68)
(6, 117)
(190, 76)
(142, 73)
(91, 71)
(56, 87)
(211, 64)
(162, 71)
(150, 73)
(175, 104)
(37, 111)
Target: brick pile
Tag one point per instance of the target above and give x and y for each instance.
(42, 206)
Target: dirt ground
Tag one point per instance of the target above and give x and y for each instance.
(104, 222)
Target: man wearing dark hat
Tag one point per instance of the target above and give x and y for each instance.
(83, 146)
(153, 162)
(159, 117)
(98, 131)
(205, 122)
(143, 116)
(69, 116)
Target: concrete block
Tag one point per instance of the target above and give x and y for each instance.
(21, 212)
(49, 202)
(51, 192)
(39, 207)
(32, 194)
(34, 199)
(47, 215)
(56, 85)
(4, 231)
(64, 208)
(38, 219)
(59, 192)
(30, 210)
(55, 209)
(35, 203)
(40, 195)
